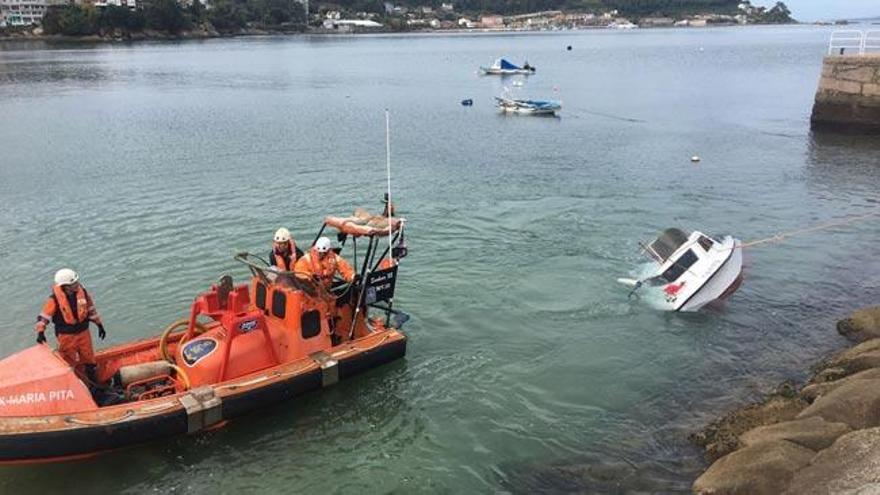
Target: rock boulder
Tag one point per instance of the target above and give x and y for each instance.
(850, 465)
(722, 437)
(859, 358)
(813, 433)
(761, 469)
(862, 325)
(814, 390)
(856, 403)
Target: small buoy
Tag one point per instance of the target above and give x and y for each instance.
(695, 159)
(568, 48)
(467, 103)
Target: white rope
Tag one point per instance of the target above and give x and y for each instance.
(783, 235)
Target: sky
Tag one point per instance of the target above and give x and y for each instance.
(813, 10)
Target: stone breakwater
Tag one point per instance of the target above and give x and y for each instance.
(823, 437)
(848, 97)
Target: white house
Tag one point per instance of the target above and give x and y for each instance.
(25, 12)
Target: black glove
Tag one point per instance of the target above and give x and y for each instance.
(41, 337)
(102, 334)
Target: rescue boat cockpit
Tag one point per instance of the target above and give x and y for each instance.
(241, 348)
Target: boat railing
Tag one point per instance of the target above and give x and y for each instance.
(854, 42)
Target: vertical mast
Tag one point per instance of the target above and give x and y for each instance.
(388, 173)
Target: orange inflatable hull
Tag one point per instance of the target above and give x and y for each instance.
(53, 437)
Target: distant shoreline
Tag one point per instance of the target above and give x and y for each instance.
(202, 35)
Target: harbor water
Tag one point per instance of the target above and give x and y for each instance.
(146, 166)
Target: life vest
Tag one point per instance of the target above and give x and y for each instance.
(285, 263)
(67, 320)
(323, 269)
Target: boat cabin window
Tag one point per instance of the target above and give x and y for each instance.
(279, 303)
(310, 322)
(706, 243)
(260, 296)
(683, 263)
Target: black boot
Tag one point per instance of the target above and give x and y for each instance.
(92, 375)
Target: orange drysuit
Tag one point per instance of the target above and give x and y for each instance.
(324, 269)
(71, 314)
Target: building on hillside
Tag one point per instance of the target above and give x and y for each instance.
(656, 22)
(492, 21)
(350, 25)
(448, 7)
(25, 12)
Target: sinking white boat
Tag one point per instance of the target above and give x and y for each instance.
(528, 107)
(501, 67)
(692, 269)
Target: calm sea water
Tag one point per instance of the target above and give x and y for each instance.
(146, 166)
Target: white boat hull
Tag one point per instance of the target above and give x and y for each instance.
(723, 282)
(528, 111)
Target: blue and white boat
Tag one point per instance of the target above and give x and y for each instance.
(502, 67)
(528, 107)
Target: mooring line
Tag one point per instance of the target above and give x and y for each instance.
(782, 236)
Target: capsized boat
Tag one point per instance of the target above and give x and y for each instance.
(528, 107)
(242, 347)
(693, 269)
(502, 67)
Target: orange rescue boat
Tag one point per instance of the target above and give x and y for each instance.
(241, 348)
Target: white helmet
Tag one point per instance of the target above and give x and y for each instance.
(66, 276)
(323, 245)
(282, 235)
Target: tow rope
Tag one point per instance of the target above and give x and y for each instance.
(782, 236)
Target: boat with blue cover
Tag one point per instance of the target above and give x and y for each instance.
(503, 67)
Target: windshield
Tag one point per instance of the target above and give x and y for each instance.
(668, 242)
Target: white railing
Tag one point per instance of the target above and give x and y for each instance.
(853, 42)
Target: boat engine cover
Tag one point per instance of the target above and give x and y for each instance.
(37, 382)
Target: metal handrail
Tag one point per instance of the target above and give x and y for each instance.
(871, 42)
(861, 41)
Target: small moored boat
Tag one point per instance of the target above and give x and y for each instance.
(501, 67)
(528, 107)
(693, 269)
(242, 347)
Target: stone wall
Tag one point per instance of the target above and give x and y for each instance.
(848, 97)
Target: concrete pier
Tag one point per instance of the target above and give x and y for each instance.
(848, 97)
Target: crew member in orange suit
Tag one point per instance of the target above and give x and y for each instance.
(322, 263)
(284, 251)
(70, 309)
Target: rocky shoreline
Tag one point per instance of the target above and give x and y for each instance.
(205, 31)
(821, 437)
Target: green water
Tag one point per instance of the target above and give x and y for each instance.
(146, 166)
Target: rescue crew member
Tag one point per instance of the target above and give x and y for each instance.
(322, 263)
(388, 204)
(284, 251)
(70, 309)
